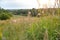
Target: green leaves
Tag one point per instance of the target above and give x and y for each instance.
(4, 14)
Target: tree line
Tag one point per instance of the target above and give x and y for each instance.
(6, 14)
(34, 12)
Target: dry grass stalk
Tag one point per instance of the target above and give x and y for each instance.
(46, 35)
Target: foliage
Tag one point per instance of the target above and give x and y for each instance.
(4, 14)
(34, 12)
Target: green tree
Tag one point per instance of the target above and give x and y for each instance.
(34, 12)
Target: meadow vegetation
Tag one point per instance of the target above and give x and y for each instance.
(30, 28)
(19, 26)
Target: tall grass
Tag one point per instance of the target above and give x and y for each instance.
(32, 28)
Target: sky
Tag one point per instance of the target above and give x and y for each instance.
(25, 4)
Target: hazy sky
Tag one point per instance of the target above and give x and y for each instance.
(24, 4)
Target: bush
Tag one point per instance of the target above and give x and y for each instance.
(5, 16)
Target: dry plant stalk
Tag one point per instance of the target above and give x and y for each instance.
(46, 35)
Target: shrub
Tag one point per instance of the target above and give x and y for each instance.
(5, 16)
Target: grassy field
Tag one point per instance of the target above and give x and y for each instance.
(30, 28)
